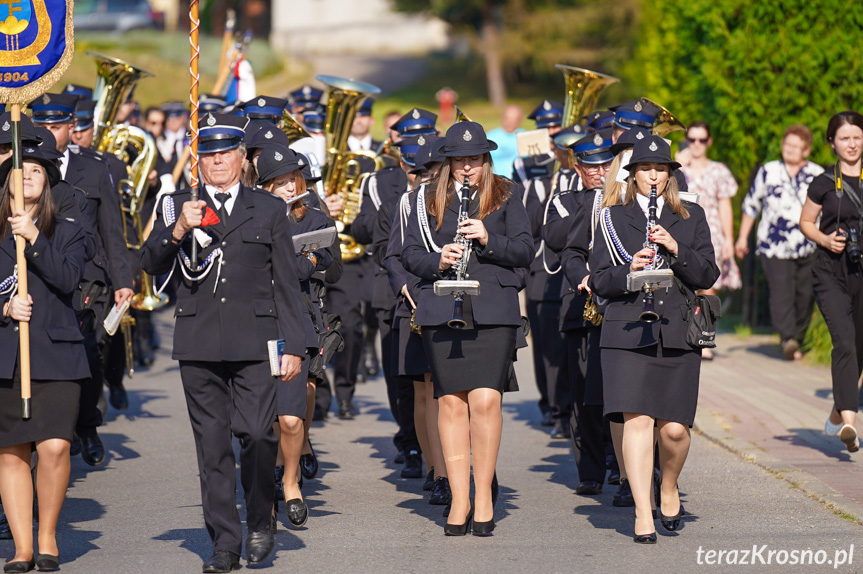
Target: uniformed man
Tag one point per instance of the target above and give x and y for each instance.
(107, 276)
(241, 293)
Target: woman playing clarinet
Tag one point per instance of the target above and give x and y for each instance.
(470, 360)
(650, 373)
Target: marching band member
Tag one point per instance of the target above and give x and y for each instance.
(244, 292)
(650, 374)
(835, 196)
(55, 255)
(470, 367)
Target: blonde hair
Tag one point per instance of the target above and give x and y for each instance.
(670, 193)
(613, 190)
(493, 190)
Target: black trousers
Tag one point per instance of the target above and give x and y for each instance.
(586, 424)
(224, 400)
(344, 299)
(839, 293)
(89, 416)
(550, 359)
(789, 282)
(400, 390)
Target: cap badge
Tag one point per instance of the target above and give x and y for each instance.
(307, 90)
(6, 127)
(421, 140)
(639, 136)
(638, 107)
(467, 137)
(546, 105)
(278, 156)
(70, 88)
(301, 162)
(597, 140)
(262, 102)
(211, 121)
(46, 99)
(653, 146)
(416, 114)
(268, 135)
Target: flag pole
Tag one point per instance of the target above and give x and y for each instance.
(20, 245)
(193, 117)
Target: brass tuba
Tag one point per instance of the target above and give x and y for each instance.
(582, 91)
(343, 171)
(665, 121)
(115, 81)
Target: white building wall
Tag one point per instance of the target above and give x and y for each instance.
(352, 26)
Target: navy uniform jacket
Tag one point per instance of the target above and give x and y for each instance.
(500, 266)
(694, 265)
(377, 189)
(72, 203)
(541, 286)
(103, 215)
(54, 268)
(231, 314)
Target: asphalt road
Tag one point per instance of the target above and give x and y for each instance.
(141, 513)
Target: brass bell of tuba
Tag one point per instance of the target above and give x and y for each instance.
(583, 88)
(343, 172)
(665, 121)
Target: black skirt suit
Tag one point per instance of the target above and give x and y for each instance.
(648, 368)
(58, 361)
(481, 355)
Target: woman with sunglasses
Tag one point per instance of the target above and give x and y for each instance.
(650, 374)
(715, 186)
(835, 196)
(55, 256)
(470, 366)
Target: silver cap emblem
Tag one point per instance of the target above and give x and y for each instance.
(307, 90)
(301, 162)
(421, 140)
(211, 120)
(268, 135)
(262, 102)
(639, 136)
(46, 99)
(653, 146)
(278, 156)
(638, 107)
(467, 137)
(416, 114)
(597, 140)
(546, 105)
(6, 127)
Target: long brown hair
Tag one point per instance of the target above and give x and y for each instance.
(43, 216)
(613, 190)
(298, 208)
(493, 190)
(670, 194)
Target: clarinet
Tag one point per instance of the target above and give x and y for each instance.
(649, 315)
(460, 268)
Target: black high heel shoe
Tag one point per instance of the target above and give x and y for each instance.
(47, 562)
(645, 538)
(672, 523)
(483, 528)
(459, 529)
(19, 566)
(495, 488)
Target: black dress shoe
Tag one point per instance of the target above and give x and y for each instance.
(589, 487)
(623, 496)
(671, 523)
(483, 528)
(309, 464)
(19, 566)
(118, 398)
(495, 489)
(645, 538)
(222, 561)
(547, 420)
(258, 546)
(92, 449)
(346, 410)
(298, 512)
(560, 430)
(413, 465)
(459, 529)
(429, 483)
(5, 531)
(399, 458)
(441, 493)
(47, 562)
(279, 475)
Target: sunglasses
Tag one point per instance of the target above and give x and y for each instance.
(702, 141)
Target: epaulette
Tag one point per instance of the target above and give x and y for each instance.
(86, 152)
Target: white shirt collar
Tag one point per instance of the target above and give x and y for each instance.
(644, 201)
(229, 204)
(64, 163)
(356, 144)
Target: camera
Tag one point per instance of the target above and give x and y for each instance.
(852, 245)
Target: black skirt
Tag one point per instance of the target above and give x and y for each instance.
(54, 411)
(291, 397)
(466, 359)
(410, 354)
(661, 383)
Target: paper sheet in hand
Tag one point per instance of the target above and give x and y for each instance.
(112, 321)
(533, 142)
(314, 240)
